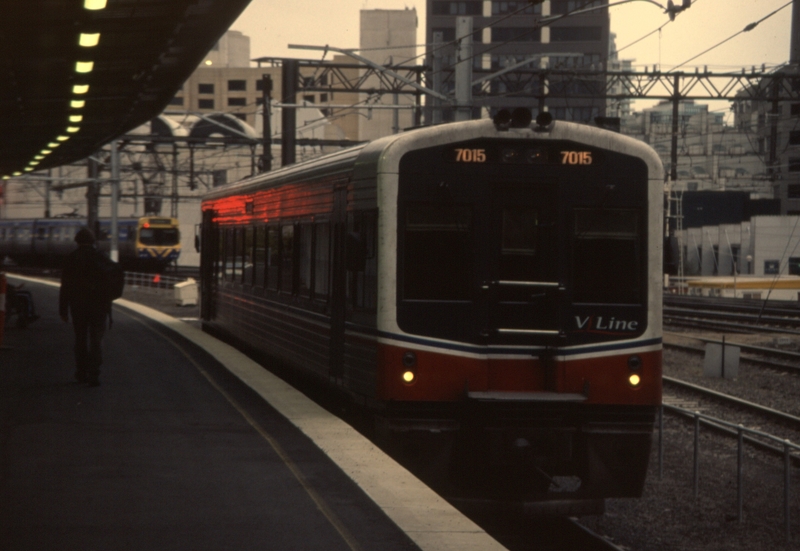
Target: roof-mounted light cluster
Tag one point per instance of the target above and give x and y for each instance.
(83, 67)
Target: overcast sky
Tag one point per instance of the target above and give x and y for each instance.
(273, 25)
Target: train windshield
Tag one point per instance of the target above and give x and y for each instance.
(159, 236)
(608, 244)
(499, 251)
(439, 252)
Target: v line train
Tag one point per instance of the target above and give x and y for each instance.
(145, 243)
(489, 291)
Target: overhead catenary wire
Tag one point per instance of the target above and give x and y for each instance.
(747, 28)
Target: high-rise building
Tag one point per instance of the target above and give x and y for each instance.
(556, 34)
(388, 38)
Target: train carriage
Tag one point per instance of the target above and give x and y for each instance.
(488, 290)
(144, 243)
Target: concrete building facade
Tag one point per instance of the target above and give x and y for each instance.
(508, 32)
(388, 37)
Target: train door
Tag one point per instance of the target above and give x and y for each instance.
(338, 282)
(521, 277)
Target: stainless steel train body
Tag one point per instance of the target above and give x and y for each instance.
(488, 291)
(143, 243)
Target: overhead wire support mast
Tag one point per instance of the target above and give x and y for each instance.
(376, 67)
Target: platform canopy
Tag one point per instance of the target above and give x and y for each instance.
(75, 74)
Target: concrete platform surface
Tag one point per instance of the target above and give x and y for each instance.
(190, 445)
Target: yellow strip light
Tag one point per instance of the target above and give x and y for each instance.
(89, 40)
(77, 103)
(75, 118)
(80, 88)
(95, 4)
(84, 66)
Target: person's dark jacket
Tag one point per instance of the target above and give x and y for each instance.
(80, 280)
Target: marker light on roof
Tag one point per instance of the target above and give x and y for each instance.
(95, 4)
(84, 66)
(89, 40)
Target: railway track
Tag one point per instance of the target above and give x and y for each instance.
(761, 399)
(762, 356)
(731, 315)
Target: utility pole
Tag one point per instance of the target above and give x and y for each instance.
(463, 69)
(289, 76)
(48, 185)
(92, 196)
(266, 99)
(772, 118)
(174, 204)
(114, 253)
(436, 61)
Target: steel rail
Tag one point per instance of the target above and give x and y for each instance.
(722, 325)
(782, 354)
(733, 400)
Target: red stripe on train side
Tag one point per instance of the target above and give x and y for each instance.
(444, 377)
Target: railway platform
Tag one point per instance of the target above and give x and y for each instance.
(187, 444)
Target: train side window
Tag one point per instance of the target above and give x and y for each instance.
(260, 256)
(361, 260)
(438, 252)
(273, 258)
(287, 259)
(322, 260)
(231, 255)
(241, 251)
(247, 257)
(304, 259)
(607, 262)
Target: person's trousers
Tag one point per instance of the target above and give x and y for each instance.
(89, 330)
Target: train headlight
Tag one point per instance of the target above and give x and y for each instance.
(409, 362)
(635, 365)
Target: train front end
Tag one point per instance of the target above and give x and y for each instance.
(158, 242)
(522, 321)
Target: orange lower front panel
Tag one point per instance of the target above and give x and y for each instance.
(441, 376)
